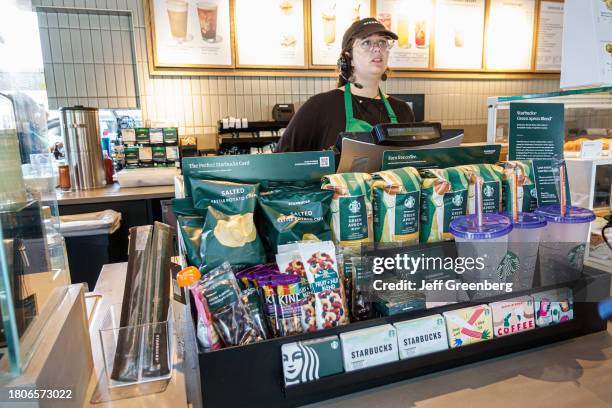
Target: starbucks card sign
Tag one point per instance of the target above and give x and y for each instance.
(305, 361)
(536, 131)
(369, 347)
(421, 336)
(513, 316)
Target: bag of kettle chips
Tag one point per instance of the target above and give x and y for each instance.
(228, 197)
(322, 273)
(295, 214)
(310, 360)
(417, 337)
(184, 206)
(369, 347)
(396, 199)
(230, 238)
(291, 263)
(443, 198)
(351, 208)
(526, 192)
(191, 231)
(491, 187)
(231, 317)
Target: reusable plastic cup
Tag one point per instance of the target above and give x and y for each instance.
(563, 243)
(487, 243)
(524, 241)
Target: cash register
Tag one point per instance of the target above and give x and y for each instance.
(363, 151)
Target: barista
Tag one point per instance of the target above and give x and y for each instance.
(357, 104)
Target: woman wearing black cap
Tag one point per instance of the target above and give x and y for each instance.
(357, 104)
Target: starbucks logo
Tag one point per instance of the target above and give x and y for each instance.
(488, 191)
(354, 206)
(334, 345)
(409, 202)
(508, 266)
(534, 193)
(458, 200)
(575, 257)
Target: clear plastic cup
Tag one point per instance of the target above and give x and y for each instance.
(524, 241)
(563, 243)
(488, 244)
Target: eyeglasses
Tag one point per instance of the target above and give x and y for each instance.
(383, 44)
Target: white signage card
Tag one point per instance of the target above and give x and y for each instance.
(270, 33)
(591, 149)
(459, 33)
(509, 39)
(550, 35)
(190, 33)
(411, 20)
(329, 19)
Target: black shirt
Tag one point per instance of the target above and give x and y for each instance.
(316, 125)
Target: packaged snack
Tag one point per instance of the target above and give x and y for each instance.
(322, 273)
(469, 325)
(443, 198)
(252, 299)
(291, 263)
(527, 196)
(230, 316)
(142, 135)
(491, 186)
(360, 291)
(159, 155)
(310, 360)
(369, 347)
(170, 135)
(351, 208)
(553, 306)
(131, 157)
(512, 316)
(291, 214)
(421, 336)
(184, 206)
(227, 197)
(392, 302)
(290, 302)
(245, 276)
(206, 333)
(156, 136)
(396, 199)
(191, 231)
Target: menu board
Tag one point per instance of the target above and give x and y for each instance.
(459, 33)
(411, 20)
(270, 33)
(603, 32)
(329, 19)
(509, 40)
(191, 34)
(550, 36)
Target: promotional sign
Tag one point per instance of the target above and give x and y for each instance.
(421, 336)
(441, 158)
(547, 185)
(252, 168)
(536, 131)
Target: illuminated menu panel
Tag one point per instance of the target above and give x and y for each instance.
(550, 36)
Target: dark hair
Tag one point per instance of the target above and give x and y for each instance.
(347, 72)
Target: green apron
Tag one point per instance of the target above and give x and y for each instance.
(358, 125)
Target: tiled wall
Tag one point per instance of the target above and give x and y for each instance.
(196, 103)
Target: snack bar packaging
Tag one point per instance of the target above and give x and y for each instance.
(513, 316)
(351, 208)
(421, 336)
(206, 333)
(396, 200)
(369, 347)
(491, 188)
(310, 360)
(469, 325)
(291, 263)
(443, 198)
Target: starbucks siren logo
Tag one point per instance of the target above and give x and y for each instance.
(488, 191)
(508, 266)
(334, 345)
(534, 193)
(409, 202)
(354, 206)
(458, 200)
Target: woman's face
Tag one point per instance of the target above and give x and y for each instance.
(369, 58)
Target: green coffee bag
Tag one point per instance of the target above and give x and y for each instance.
(525, 190)
(491, 187)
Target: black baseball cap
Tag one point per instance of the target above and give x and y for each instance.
(365, 28)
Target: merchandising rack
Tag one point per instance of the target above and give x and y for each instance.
(142, 152)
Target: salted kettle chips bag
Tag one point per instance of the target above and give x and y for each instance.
(396, 200)
(525, 189)
(443, 198)
(491, 187)
(351, 208)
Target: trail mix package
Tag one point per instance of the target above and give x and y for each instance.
(525, 189)
(322, 273)
(396, 197)
(361, 295)
(491, 187)
(252, 300)
(291, 214)
(291, 263)
(231, 317)
(443, 198)
(351, 208)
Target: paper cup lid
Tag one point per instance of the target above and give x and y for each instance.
(527, 221)
(493, 226)
(573, 215)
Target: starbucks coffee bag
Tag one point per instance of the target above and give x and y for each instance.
(491, 187)
(351, 208)
(396, 197)
(525, 189)
(443, 198)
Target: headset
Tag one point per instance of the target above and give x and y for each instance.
(343, 67)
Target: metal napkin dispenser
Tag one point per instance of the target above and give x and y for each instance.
(283, 112)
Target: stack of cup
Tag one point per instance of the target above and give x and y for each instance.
(524, 241)
(563, 243)
(487, 242)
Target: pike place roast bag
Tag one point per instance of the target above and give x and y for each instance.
(291, 214)
(443, 198)
(396, 199)
(525, 189)
(491, 187)
(351, 208)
